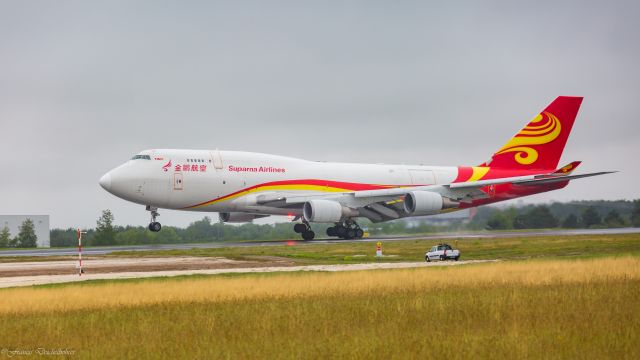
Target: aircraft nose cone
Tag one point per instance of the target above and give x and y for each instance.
(105, 181)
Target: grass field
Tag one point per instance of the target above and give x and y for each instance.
(566, 246)
(569, 308)
(413, 250)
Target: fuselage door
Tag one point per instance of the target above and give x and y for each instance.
(177, 181)
(217, 159)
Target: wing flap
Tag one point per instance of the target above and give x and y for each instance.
(481, 183)
(376, 201)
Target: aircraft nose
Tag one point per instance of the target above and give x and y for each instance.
(105, 181)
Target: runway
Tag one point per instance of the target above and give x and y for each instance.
(480, 235)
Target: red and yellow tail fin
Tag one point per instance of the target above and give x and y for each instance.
(539, 145)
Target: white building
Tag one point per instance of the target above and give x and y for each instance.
(40, 222)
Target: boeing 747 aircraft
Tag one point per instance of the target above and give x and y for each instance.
(243, 186)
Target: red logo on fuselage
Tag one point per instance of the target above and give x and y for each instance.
(166, 166)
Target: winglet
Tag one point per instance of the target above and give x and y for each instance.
(567, 169)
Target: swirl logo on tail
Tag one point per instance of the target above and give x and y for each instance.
(543, 129)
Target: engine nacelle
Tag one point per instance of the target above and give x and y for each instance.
(325, 211)
(426, 203)
(238, 217)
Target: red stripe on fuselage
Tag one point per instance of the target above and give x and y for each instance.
(316, 182)
(464, 173)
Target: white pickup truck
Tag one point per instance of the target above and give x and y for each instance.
(442, 252)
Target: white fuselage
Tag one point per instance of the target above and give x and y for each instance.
(231, 181)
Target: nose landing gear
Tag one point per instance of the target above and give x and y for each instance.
(305, 230)
(154, 225)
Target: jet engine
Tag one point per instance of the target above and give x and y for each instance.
(238, 217)
(326, 211)
(426, 203)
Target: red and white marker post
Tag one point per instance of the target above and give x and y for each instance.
(79, 265)
(379, 250)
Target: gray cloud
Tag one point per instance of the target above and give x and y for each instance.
(84, 85)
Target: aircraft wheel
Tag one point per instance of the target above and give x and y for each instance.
(359, 233)
(331, 231)
(308, 235)
(299, 228)
(341, 232)
(155, 226)
(351, 233)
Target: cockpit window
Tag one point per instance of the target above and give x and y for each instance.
(144, 157)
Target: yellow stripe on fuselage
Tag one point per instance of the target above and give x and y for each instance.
(301, 187)
(478, 173)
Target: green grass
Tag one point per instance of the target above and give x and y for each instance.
(11, 259)
(566, 246)
(413, 250)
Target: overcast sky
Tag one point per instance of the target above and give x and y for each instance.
(84, 85)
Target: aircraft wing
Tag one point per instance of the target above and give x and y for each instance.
(542, 179)
(387, 204)
(526, 180)
(376, 205)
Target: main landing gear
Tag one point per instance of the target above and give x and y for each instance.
(154, 225)
(347, 229)
(305, 230)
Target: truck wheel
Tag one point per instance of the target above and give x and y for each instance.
(427, 259)
(442, 258)
(456, 258)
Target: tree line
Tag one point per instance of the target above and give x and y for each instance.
(26, 237)
(589, 214)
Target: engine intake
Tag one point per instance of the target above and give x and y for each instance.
(426, 203)
(238, 217)
(326, 211)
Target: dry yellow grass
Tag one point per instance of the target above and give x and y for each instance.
(294, 285)
(582, 309)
